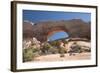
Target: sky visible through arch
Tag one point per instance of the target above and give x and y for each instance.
(58, 35)
(37, 16)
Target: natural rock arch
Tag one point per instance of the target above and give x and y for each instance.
(41, 30)
(55, 30)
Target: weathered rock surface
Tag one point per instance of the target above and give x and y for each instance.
(41, 30)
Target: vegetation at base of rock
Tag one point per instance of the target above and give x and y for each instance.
(35, 49)
(30, 53)
(47, 48)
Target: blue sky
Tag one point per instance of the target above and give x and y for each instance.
(58, 35)
(36, 16)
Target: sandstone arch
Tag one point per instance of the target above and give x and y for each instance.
(56, 30)
(40, 30)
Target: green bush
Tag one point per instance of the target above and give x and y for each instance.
(49, 48)
(30, 53)
(27, 55)
(53, 50)
(55, 43)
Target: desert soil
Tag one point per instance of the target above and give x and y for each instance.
(56, 57)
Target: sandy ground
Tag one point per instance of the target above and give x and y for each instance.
(56, 57)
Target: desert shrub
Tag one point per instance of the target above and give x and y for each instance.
(55, 43)
(65, 42)
(53, 50)
(62, 51)
(27, 55)
(36, 52)
(47, 48)
(75, 48)
(30, 53)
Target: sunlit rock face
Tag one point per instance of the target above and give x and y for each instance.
(76, 28)
(82, 42)
(34, 43)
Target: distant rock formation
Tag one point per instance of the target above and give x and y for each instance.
(41, 30)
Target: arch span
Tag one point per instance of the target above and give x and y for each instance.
(74, 27)
(57, 33)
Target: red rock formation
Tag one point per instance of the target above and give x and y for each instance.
(75, 28)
